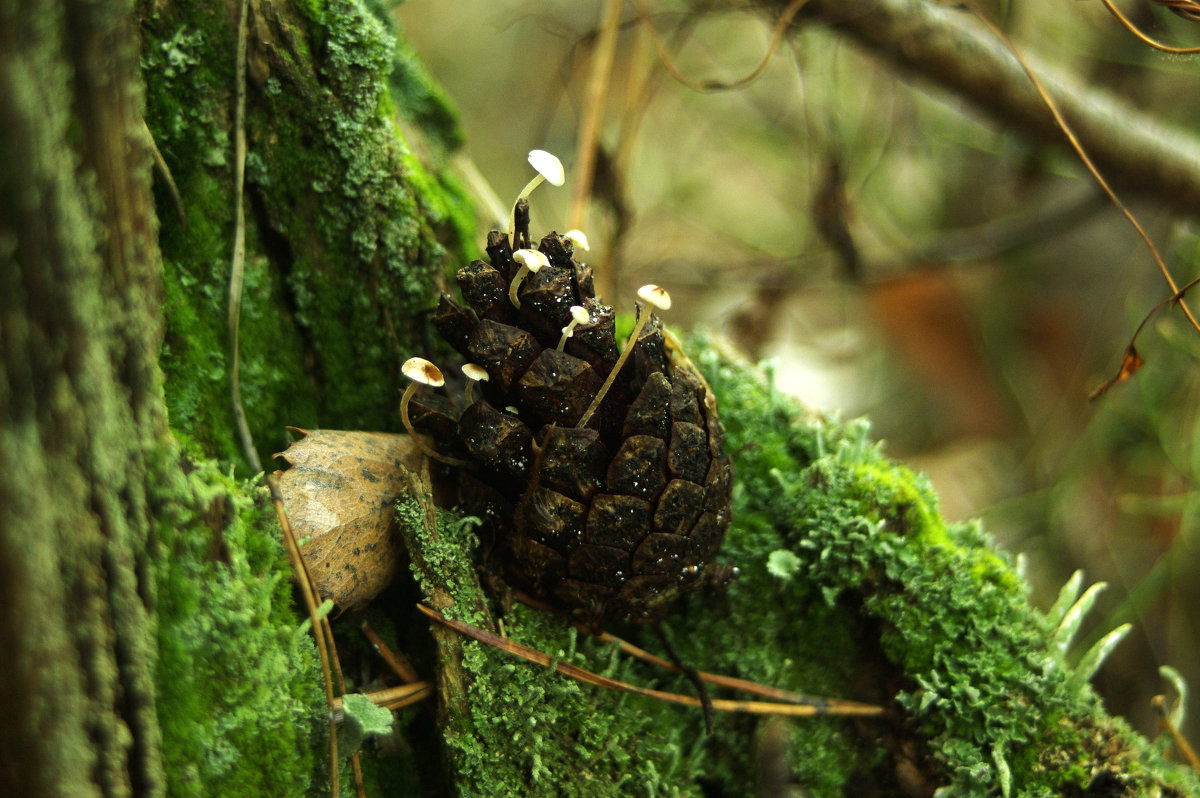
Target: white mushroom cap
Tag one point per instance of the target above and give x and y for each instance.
(474, 371)
(531, 259)
(577, 238)
(658, 297)
(548, 166)
(418, 369)
(580, 315)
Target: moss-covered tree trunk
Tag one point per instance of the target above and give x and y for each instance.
(144, 594)
(83, 422)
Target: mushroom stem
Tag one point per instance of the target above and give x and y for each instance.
(516, 284)
(612, 375)
(474, 373)
(531, 261)
(579, 315)
(653, 295)
(418, 439)
(548, 168)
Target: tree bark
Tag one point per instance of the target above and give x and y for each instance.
(80, 406)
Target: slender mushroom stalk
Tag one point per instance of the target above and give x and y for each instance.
(474, 373)
(548, 168)
(421, 372)
(653, 295)
(577, 238)
(532, 261)
(579, 315)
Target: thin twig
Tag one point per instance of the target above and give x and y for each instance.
(312, 604)
(390, 698)
(1184, 9)
(239, 244)
(785, 20)
(160, 163)
(938, 42)
(1159, 703)
(593, 110)
(1147, 40)
(575, 672)
(1131, 360)
(396, 661)
(733, 683)
(360, 788)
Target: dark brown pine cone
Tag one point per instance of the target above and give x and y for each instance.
(608, 521)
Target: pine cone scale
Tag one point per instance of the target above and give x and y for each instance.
(610, 521)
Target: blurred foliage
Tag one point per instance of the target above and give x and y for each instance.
(991, 289)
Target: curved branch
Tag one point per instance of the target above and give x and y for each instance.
(951, 49)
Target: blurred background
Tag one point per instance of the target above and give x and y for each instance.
(894, 253)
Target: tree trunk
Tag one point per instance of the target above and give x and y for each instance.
(81, 406)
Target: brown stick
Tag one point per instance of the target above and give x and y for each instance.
(1164, 717)
(733, 683)
(395, 660)
(574, 672)
(389, 698)
(953, 50)
(593, 110)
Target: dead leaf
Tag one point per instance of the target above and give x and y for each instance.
(340, 495)
(1129, 366)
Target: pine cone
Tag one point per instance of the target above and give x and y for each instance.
(608, 521)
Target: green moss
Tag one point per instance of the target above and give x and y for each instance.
(515, 729)
(851, 585)
(240, 697)
(980, 682)
(345, 228)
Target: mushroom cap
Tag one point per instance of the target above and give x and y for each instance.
(580, 315)
(548, 166)
(658, 297)
(418, 369)
(531, 259)
(474, 371)
(577, 237)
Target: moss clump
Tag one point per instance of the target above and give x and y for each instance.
(239, 687)
(931, 610)
(510, 728)
(851, 585)
(346, 229)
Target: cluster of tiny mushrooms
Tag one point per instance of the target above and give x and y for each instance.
(422, 372)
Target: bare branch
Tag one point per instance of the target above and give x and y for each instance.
(950, 48)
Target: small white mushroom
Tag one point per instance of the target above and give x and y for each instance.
(653, 295)
(532, 261)
(579, 316)
(474, 373)
(421, 372)
(577, 238)
(548, 168)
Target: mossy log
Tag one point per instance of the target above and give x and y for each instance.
(151, 644)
